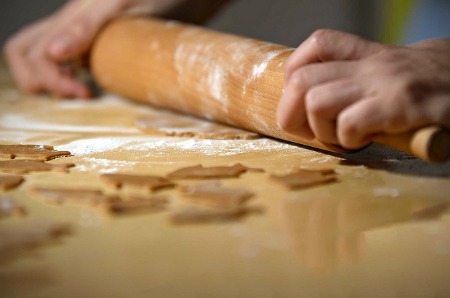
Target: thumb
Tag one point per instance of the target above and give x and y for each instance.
(329, 45)
(79, 23)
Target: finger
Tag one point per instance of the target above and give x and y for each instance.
(59, 82)
(329, 45)
(23, 73)
(291, 113)
(361, 121)
(79, 26)
(17, 52)
(324, 102)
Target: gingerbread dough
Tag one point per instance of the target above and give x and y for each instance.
(213, 194)
(110, 204)
(305, 178)
(134, 205)
(90, 197)
(17, 242)
(431, 212)
(26, 166)
(153, 183)
(193, 215)
(199, 172)
(38, 152)
(172, 124)
(10, 182)
(8, 208)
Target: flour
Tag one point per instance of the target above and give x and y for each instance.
(103, 165)
(18, 122)
(157, 146)
(386, 192)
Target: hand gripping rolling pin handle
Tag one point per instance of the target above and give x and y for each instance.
(217, 76)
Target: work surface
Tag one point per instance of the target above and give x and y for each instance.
(381, 230)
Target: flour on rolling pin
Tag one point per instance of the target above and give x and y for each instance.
(200, 67)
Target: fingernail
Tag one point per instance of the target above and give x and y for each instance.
(60, 46)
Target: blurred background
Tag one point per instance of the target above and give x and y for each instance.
(289, 22)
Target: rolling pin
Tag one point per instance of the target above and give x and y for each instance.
(217, 76)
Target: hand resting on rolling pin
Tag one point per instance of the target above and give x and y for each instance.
(37, 54)
(345, 90)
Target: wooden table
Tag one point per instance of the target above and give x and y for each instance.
(381, 231)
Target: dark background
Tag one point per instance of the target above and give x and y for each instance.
(282, 21)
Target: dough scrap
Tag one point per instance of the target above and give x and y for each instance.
(194, 215)
(305, 178)
(10, 182)
(8, 208)
(199, 172)
(177, 125)
(213, 194)
(134, 205)
(36, 152)
(16, 242)
(153, 183)
(25, 166)
(110, 204)
(431, 212)
(59, 196)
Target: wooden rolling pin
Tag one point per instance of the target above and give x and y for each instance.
(217, 76)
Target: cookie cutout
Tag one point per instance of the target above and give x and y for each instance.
(431, 212)
(21, 241)
(177, 125)
(196, 215)
(153, 183)
(109, 204)
(136, 205)
(25, 166)
(61, 196)
(199, 172)
(10, 182)
(35, 152)
(213, 194)
(305, 178)
(10, 208)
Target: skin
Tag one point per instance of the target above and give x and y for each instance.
(342, 89)
(40, 56)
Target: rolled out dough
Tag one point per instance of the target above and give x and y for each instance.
(16, 242)
(177, 125)
(153, 183)
(305, 178)
(26, 166)
(8, 208)
(60, 196)
(10, 182)
(195, 215)
(213, 194)
(38, 152)
(200, 172)
(134, 205)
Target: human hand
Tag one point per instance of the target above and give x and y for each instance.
(344, 90)
(39, 56)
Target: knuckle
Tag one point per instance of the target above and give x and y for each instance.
(320, 35)
(348, 129)
(313, 102)
(299, 79)
(79, 30)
